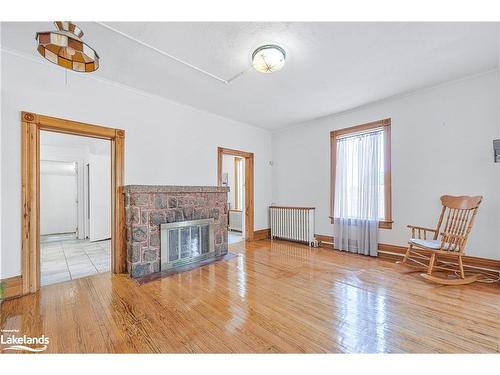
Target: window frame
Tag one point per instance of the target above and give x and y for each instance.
(385, 124)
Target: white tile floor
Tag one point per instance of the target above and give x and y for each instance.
(65, 258)
(234, 237)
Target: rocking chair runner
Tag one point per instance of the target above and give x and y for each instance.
(456, 220)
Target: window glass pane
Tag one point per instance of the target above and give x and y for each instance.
(185, 242)
(173, 244)
(195, 241)
(205, 238)
(358, 174)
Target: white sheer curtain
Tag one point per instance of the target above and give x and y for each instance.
(359, 179)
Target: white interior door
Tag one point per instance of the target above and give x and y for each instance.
(100, 197)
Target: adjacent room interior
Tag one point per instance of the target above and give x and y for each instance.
(251, 187)
(233, 176)
(75, 206)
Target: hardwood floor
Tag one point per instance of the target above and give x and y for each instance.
(274, 297)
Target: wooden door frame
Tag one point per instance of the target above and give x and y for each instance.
(31, 125)
(249, 185)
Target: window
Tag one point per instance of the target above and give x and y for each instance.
(361, 162)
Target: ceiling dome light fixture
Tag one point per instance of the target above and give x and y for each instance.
(65, 48)
(269, 58)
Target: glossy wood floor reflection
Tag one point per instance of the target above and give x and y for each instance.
(274, 297)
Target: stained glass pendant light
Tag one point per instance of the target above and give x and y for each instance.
(65, 48)
(269, 58)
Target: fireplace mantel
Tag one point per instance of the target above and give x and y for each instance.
(128, 189)
(149, 206)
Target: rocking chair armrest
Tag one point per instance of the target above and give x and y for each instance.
(422, 228)
(417, 231)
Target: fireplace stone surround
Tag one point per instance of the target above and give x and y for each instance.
(149, 206)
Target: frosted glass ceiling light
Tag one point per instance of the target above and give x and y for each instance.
(268, 59)
(65, 48)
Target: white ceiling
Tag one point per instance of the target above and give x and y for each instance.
(93, 145)
(330, 67)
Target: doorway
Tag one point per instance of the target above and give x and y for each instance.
(75, 206)
(235, 169)
(233, 176)
(32, 126)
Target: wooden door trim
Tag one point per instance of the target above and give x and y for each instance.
(31, 125)
(249, 185)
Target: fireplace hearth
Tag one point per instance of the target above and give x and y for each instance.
(172, 226)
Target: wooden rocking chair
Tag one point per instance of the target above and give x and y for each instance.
(456, 219)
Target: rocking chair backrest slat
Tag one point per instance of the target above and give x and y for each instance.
(440, 221)
(458, 214)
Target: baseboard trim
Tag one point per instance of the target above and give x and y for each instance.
(396, 252)
(325, 241)
(392, 252)
(262, 234)
(13, 287)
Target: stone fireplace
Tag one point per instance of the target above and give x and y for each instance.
(170, 226)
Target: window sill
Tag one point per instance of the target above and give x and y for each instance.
(383, 224)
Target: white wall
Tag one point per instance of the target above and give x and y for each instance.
(441, 144)
(100, 197)
(68, 154)
(166, 143)
(58, 197)
(66, 148)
